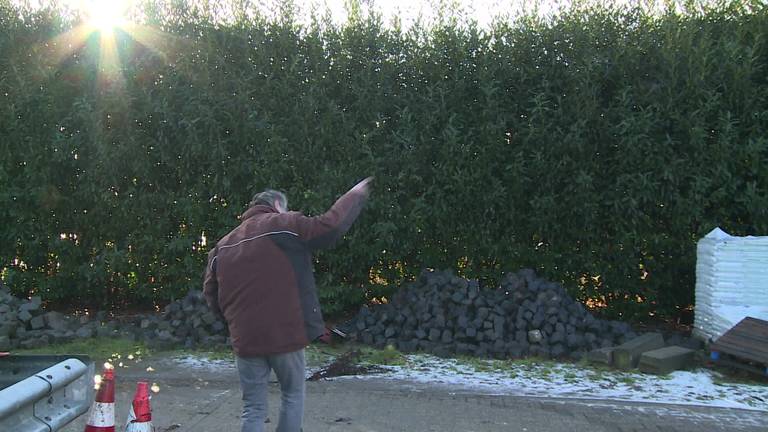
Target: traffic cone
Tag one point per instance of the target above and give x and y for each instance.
(102, 415)
(140, 416)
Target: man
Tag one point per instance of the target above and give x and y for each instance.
(260, 278)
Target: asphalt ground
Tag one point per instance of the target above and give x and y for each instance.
(208, 399)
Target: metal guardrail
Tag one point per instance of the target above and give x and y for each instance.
(43, 393)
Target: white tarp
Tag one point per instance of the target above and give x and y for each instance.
(731, 282)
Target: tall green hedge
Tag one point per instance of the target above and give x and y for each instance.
(596, 147)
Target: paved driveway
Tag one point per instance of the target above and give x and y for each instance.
(208, 399)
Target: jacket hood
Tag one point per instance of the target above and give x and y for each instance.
(257, 209)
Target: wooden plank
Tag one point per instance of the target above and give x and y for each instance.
(756, 328)
(744, 347)
(748, 340)
(760, 325)
(750, 326)
(740, 347)
(746, 333)
(757, 344)
(756, 334)
(743, 366)
(726, 346)
(742, 341)
(743, 355)
(753, 344)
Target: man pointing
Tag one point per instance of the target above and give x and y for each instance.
(260, 278)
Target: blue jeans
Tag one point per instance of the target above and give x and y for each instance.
(254, 377)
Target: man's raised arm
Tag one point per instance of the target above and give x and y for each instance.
(324, 230)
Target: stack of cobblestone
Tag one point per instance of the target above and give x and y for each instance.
(526, 315)
(24, 323)
(185, 322)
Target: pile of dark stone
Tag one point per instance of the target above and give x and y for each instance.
(443, 314)
(185, 322)
(438, 313)
(24, 323)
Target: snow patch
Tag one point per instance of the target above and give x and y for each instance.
(201, 362)
(698, 387)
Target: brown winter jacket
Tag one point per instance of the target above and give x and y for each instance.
(260, 278)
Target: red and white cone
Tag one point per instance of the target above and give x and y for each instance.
(140, 417)
(102, 415)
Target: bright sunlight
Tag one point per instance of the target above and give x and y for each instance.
(105, 15)
(104, 18)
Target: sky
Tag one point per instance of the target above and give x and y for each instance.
(482, 11)
(408, 11)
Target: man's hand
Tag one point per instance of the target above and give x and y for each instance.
(364, 187)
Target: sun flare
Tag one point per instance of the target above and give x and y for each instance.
(100, 21)
(105, 15)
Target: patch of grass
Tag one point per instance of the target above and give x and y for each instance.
(598, 368)
(596, 375)
(316, 354)
(738, 378)
(570, 376)
(388, 356)
(544, 373)
(481, 367)
(530, 362)
(704, 397)
(476, 364)
(459, 370)
(602, 373)
(627, 379)
(99, 349)
(488, 365)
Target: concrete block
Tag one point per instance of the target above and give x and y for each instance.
(84, 333)
(8, 329)
(104, 332)
(665, 360)
(37, 323)
(601, 355)
(24, 316)
(209, 318)
(5, 343)
(627, 355)
(55, 321)
(33, 343)
(535, 336)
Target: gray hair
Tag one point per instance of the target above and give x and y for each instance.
(269, 197)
